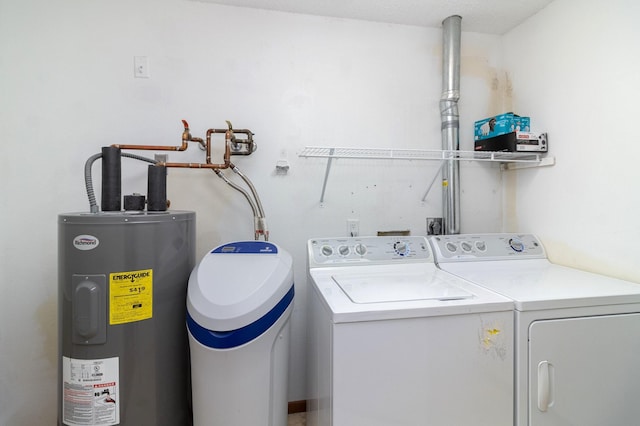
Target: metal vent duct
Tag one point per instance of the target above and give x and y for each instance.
(450, 122)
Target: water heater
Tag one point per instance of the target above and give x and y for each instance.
(123, 347)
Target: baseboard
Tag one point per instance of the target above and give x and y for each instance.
(297, 406)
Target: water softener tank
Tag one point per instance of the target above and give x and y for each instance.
(239, 303)
(123, 346)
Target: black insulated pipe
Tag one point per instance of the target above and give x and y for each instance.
(157, 189)
(111, 179)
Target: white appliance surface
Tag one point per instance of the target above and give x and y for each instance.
(576, 333)
(375, 288)
(396, 341)
(539, 284)
(359, 293)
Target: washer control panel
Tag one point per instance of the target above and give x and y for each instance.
(331, 251)
(469, 247)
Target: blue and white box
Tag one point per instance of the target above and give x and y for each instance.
(501, 125)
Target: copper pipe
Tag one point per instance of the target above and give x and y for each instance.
(200, 141)
(152, 147)
(227, 148)
(250, 147)
(208, 164)
(196, 165)
(186, 138)
(186, 135)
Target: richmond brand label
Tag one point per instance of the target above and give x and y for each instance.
(85, 242)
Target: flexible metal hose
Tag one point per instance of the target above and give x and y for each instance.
(239, 189)
(259, 221)
(252, 188)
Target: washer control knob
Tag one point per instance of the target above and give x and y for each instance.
(401, 248)
(451, 247)
(466, 246)
(360, 249)
(516, 244)
(481, 245)
(326, 251)
(343, 250)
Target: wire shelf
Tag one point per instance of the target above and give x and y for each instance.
(508, 160)
(419, 154)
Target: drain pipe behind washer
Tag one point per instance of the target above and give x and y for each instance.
(450, 122)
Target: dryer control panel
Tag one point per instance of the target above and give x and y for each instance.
(470, 247)
(358, 250)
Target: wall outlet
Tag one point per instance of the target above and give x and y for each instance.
(353, 227)
(434, 226)
(141, 67)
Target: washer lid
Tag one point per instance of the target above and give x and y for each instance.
(379, 288)
(238, 283)
(422, 291)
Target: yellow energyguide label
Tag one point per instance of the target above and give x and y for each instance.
(130, 296)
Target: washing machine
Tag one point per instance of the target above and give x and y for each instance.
(395, 341)
(577, 334)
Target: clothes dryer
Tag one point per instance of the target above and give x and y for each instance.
(577, 334)
(395, 341)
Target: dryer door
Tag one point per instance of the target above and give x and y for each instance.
(584, 371)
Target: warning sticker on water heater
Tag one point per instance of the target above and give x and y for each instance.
(90, 392)
(130, 296)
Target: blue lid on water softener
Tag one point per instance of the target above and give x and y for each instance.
(237, 291)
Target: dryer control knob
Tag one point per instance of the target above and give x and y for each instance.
(326, 251)
(360, 249)
(401, 248)
(516, 244)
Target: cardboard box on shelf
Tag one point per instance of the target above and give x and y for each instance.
(500, 125)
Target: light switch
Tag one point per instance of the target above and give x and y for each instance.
(141, 67)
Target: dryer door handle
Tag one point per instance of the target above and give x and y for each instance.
(545, 373)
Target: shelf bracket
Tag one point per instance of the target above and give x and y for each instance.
(326, 176)
(438, 172)
(544, 162)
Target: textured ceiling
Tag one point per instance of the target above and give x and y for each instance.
(483, 16)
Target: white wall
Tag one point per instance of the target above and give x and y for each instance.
(575, 68)
(66, 79)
